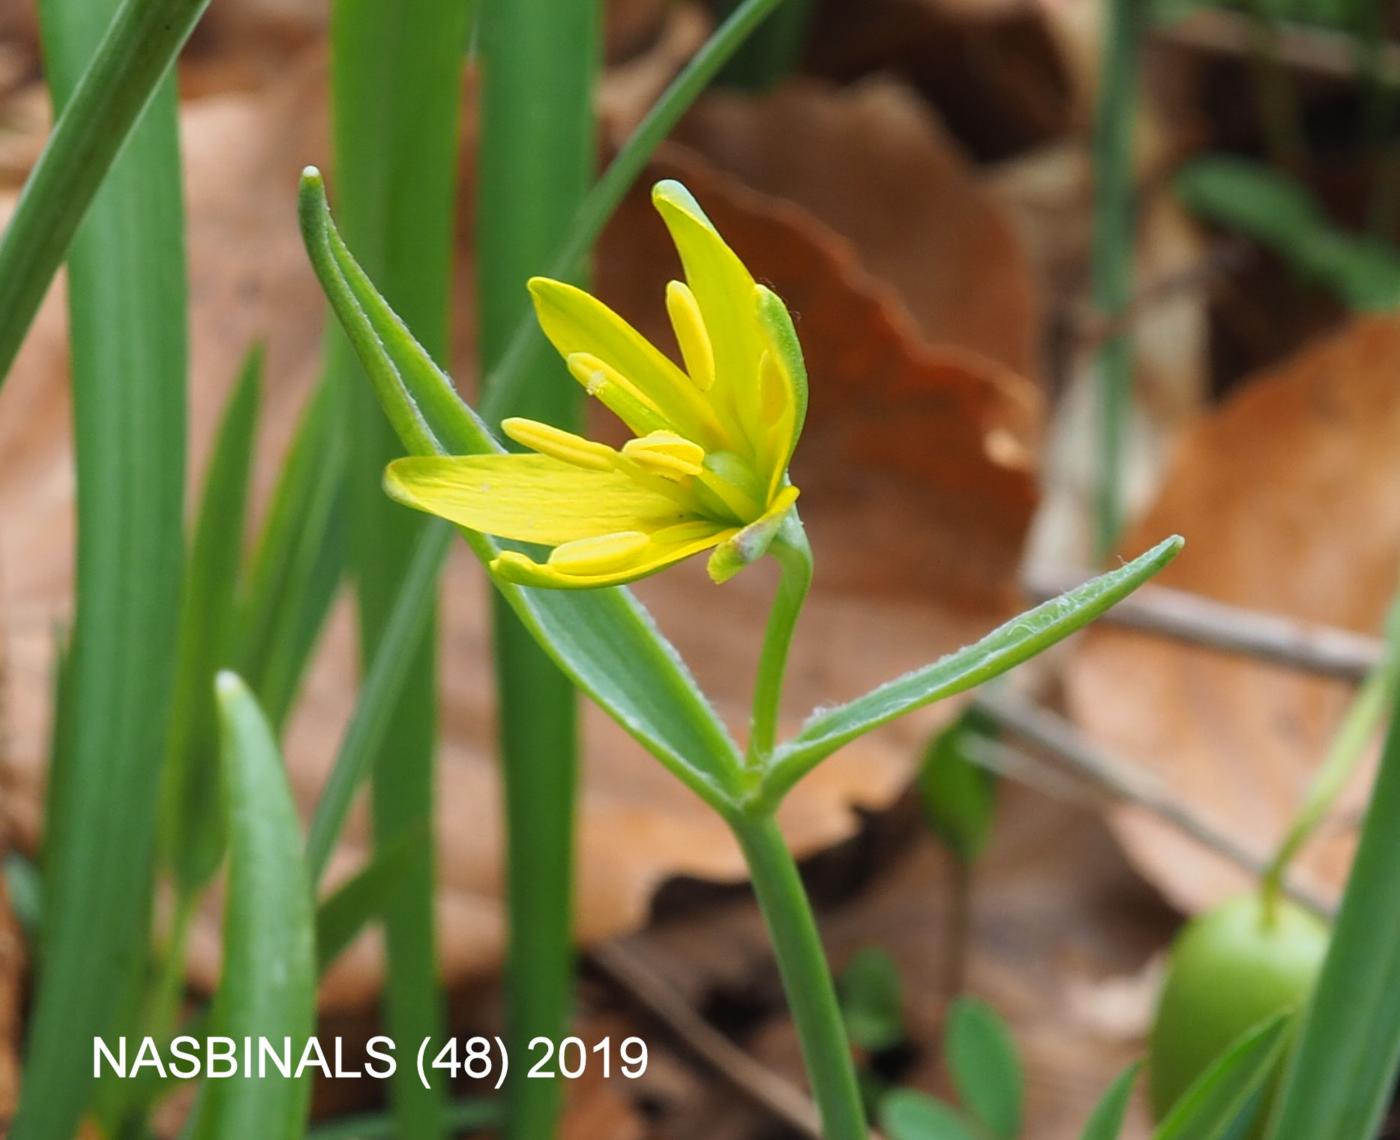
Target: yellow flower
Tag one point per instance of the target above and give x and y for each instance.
(707, 467)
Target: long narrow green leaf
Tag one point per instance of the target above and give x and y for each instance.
(536, 157)
(396, 78)
(1341, 1075)
(1210, 1109)
(365, 896)
(390, 671)
(193, 837)
(128, 340)
(105, 86)
(299, 558)
(464, 1117)
(1005, 647)
(602, 639)
(267, 991)
(1107, 1120)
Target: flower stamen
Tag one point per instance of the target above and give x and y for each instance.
(691, 334)
(666, 453)
(546, 439)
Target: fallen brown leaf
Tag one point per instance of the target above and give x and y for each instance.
(1286, 496)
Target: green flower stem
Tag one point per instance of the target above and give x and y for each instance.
(1113, 250)
(806, 977)
(794, 555)
(522, 353)
(119, 81)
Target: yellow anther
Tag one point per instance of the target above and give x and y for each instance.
(599, 555)
(559, 444)
(666, 453)
(691, 334)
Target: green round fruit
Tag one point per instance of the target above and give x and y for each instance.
(1229, 970)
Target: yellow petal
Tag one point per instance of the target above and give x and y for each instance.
(666, 453)
(664, 548)
(559, 444)
(723, 289)
(530, 498)
(576, 322)
(782, 383)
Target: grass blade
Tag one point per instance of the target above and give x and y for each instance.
(128, 341)
(1210, 1108)
(396, 74)
(364, 897)
(1340, 1077)
(268, 987)
(299, 559)
(538, 142)
(106, 86)
(1107, 1120)
(1005, 647)
(193, 837)
(390, 672)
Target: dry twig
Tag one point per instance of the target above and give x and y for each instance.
(1123, 781)
(1310, 647)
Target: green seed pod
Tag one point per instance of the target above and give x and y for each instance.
(1229, 970)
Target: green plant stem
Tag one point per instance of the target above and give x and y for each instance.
(102, 109)
(1113, 251)
(806, 977)
(773, 52)
(396, 78)
(126, 291)
(1358, 728)
(526, 346)
(794, 557)
(537, 153)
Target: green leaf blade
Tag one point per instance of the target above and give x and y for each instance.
(1339, 1078)
(127, 334)
(1014, 642)
(112, 84)
(907, 1115)
(985, 1067)
(1210, 1109)
(1106, 1123)
(208, 615)
(268, 986)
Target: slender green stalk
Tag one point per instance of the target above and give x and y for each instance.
(527, 346)
(1113, 250)
(806, 976)
(105, 95)
(794, 556)
(538, 141)
(390, 670)
(772, 54)
(128, 342)
(396, 78)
